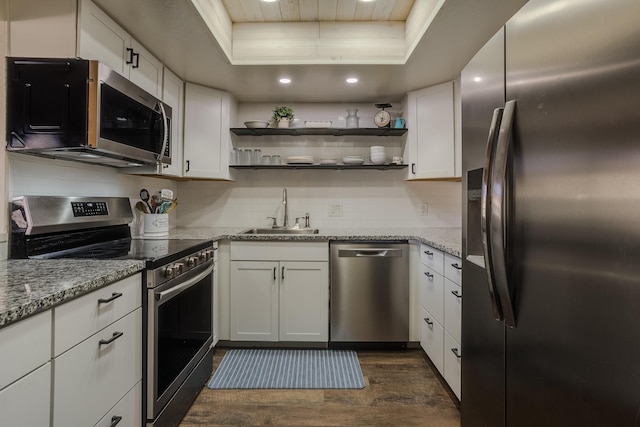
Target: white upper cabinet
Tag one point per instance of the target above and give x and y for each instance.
(102, 39)
(70, 28)
(431, 150)
(207, 140)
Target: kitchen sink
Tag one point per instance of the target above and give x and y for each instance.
(280, 231)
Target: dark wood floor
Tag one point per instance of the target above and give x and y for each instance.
(401, 390)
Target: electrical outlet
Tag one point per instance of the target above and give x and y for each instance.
(335, 209)
(424, 209)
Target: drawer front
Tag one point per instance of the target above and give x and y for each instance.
(432, 258)
(83, 317)
(431, 338)
(453, 309)
(453, 268)
(280, 251)
(452, 363)
(24, 346)
(91, 369)
(27, 403)
(432, 293)
(128, 412)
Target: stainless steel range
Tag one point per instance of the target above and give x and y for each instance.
(177, 288)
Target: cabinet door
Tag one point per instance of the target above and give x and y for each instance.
(453, 309)
(432, 339)
(254, 301)
(146, 70)
(432, 293)
(452, 362)
(304, 301)
(102, 39)
(206, 133)
(173, 95)
(128, 411)
(27, 402)
(431, 136)
(93, 376)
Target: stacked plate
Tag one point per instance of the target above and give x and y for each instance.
(328, 160)
(300, 160)
(378, 155)
(353, 160)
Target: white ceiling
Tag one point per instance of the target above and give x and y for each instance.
(175, 32)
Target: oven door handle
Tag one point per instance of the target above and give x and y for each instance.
(170, 293)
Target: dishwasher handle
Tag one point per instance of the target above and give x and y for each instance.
(370, 253)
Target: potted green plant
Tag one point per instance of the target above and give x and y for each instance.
(282, 115)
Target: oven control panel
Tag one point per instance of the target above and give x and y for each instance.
(89, 208)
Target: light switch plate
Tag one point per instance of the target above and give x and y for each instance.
(335, 209)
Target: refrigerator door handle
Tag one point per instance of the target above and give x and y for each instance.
(499, 214)
(484, 203)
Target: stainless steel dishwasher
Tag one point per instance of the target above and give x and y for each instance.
(369, 294)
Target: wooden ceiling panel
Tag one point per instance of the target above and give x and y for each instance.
(243, 11)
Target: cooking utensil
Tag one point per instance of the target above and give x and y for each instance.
(142, 207)
(174, 203)
(144, 196)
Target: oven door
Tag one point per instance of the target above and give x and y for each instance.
(179, 334)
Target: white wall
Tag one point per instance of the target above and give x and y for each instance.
(30, 175)
(368, 198)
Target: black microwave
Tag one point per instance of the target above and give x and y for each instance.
(81, 110)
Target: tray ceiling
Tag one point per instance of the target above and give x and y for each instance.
(434, 47)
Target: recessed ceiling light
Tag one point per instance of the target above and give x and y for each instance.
(352, 80)
(477, 79)
(285, 80)
(269, 1)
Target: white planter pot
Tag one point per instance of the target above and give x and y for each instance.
(283, 123)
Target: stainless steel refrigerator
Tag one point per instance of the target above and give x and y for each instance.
(551, 222)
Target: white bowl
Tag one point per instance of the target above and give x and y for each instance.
(377, 147)
(378, 161)
(256, 124)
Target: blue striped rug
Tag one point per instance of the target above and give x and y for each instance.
(279, 368)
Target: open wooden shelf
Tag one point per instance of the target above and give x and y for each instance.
(319, 131)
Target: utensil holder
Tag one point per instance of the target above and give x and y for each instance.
(156, 225)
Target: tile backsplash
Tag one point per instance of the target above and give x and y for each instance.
(365, 199)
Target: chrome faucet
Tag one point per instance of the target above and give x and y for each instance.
(286, 208)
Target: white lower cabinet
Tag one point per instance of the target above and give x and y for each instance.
(440, 308)
(431, 339)
(98, 356)
(127, 411)
(451, 369)
(27, 402)
(106, 364)
(281, 299)
(25, 372)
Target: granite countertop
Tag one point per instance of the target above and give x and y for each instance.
(448, 240)
(29, 286)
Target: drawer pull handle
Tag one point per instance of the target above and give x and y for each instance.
(114, 295)
(456, 352)
(429, 275)
(115, 420)
(114, 337)
(456, 266)
(457, 294)
(428, 322)
(428, 253)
